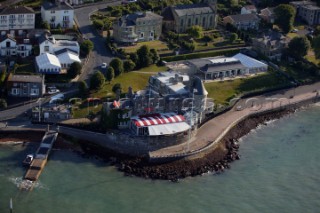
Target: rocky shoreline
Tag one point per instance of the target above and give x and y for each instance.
(217, 161)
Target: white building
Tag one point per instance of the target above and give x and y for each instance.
(9, 46)
(248, 9)
(58, 14)
(51, 45)
(48, 64)
(67, 57)
(17, 18)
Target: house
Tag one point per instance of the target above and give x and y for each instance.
(221, 67)
(15, 47)
(58, 14)
(51, 45)
(267, 14)
(16, 18)
(67, 57)
(243, 21)
(25, 85)
(168, 93)
(307, 11)
(47, 63)
(181, 17)
(271, 44)
(140, 26)
(249, 9)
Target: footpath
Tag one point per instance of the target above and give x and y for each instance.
(214, 130)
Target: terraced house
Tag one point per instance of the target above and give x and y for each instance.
(16, 18)
(140, 26)
(181, 17)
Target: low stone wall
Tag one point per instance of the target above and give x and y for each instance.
(124, 143)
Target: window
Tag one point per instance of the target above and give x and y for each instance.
(189, 22)
(66, 11)
(15, 91)
(8, 44)
(204, 21)
(181, 22)
(196, 21)
(141, 35)
(52, 11)
(46, 48)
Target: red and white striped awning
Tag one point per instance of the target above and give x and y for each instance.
(157, 119)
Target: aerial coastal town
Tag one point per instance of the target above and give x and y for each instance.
(160, 81)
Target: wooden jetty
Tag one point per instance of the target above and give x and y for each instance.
(39, 160)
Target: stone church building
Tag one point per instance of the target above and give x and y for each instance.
(181, 17)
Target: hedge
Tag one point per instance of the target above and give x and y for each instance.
(200, 55)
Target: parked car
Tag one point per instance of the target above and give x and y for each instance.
(294, 30)
(28, 160)
(52, 90)
(104, 65)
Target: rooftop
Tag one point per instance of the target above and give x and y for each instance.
(17, 10)
(192, 9)
(26, 78)
(60, 6)
(244, 17)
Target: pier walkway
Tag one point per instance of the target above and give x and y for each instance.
(41, 157)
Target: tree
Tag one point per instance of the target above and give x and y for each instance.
(128, 65)
(134, 57)
(83, 88)
(98, 24)
(144, 56)
(45, 25)
(86, 46)
(316, 46)
(233, 37)
(3, 104)
(110, 74)
(74, 70)
(285, 14)
(117, 87)
(299, 46)
(117, 65)
(195, 31)
(154, 55)
(3, 76)
(97, 80)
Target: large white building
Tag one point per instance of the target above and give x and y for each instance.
(16, 18)
(48, 64)
(58, 14)
(51, 45)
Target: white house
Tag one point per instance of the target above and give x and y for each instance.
(17, 18)
(48, 64)
(57, 14)
(51, 45)
(249, 9)
(67, 57)
(12, 47)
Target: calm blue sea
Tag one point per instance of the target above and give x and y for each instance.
(278, 172)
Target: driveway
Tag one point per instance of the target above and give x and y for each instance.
(100, 54)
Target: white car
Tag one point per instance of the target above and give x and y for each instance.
(52, 90)
(104, 65)
(294, 30)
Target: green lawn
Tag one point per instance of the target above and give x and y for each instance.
(160, 46)
(223, 91)
(137, 81)
(153, 68)
(83, 110)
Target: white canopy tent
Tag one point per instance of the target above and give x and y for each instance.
(48, 64)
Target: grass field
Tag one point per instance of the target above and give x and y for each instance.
(160, 46)
(223, 91)
(137, 81)
(83, 110)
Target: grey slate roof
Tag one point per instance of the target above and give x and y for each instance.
(131, 19)
(17, 10)
(26, 78)
(167, 14)
(64, 50)
(52, 6)
(244, 17)
(192, 9)
(205, 65)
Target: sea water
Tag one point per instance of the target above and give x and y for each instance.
(278, 172)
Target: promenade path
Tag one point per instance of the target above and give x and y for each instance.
(212, 131)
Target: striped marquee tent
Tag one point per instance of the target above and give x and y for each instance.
(159, 124)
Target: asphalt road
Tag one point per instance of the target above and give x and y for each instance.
(100, 54)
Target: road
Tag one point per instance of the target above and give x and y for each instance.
(100, 54)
